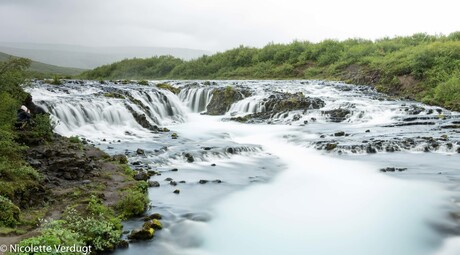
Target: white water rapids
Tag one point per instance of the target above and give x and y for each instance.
(303, 202)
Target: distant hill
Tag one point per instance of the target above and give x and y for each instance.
(43, 68)
(91, 57)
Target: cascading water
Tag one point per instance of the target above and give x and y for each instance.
(95, 110)
(196, 98)
(265, 188)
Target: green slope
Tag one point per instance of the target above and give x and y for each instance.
(42, 68)
(421, 66)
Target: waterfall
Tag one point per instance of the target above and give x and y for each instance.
(93, 108)
(196, 98)
(248, 105)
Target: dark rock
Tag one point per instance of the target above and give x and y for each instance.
(217, 181)
(370, 149)
(414, 110)
(337, 115)
(176, 191)
(152, 172)
(174, 136)
(141, 176)
(322, 136)
(340, 133)
(189, 157)
(141, 119)
(392, 169)
(173, 183)
(213, 164)
(207, 148)
(203, 181)
(168, 179)
(367, 131)
(123, 244)
(230, 150)
(182, 182)
(137, 163)
(174, 170)
(331, 146)
(140, 151)
(154, 184)
(155, 216)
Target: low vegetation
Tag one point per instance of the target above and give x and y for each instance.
(421, 66)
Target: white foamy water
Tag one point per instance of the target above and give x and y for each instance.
(281, 197)
(319, 205)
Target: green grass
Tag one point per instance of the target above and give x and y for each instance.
(414, 66)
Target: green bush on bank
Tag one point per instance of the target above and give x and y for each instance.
(430, 60)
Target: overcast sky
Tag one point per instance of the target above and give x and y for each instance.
(217, 25)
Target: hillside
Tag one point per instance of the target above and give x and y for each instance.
(421, 66)
(90, 57)
(42, 68)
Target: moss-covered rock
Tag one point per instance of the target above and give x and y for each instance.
(222, 99)
(155, 224)
(142, 234)
(169, 87)
(114, 95)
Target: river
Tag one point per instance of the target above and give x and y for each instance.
(383, 179)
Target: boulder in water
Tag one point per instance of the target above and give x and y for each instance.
(337, 115)
(154, 223)
(141, 176)
(142, 234)
(154, 184)
(189, 157)
(222, 99)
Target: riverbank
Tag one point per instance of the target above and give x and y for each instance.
(77, 181)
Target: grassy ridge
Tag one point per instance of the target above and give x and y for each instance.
(38, 69)
(420, 66)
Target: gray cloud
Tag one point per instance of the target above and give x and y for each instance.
(217, 24)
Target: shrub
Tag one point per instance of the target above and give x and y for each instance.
(9, 213)
(448, 92)
(134, 201)
(74, 139)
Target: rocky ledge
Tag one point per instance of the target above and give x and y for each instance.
(282, 103)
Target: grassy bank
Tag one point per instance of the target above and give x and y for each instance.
(421, 66)
(56, 190)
